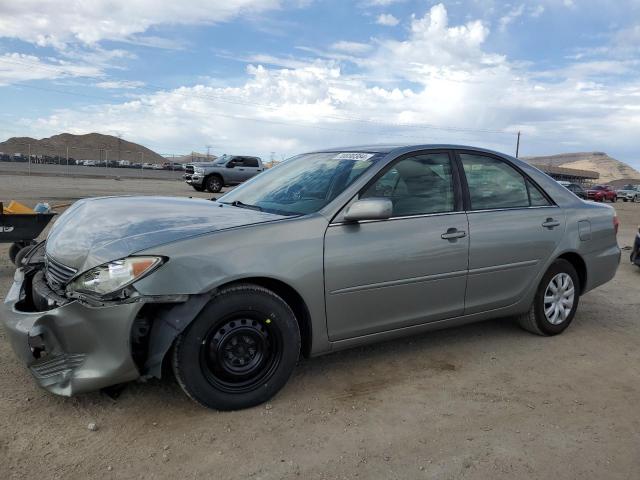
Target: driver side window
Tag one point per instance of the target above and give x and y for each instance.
(417, 185)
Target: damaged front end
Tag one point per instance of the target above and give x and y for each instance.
(74, 342)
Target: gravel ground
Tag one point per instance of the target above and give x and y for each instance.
(486, 401)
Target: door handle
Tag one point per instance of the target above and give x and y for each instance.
(241, 169)
(453, 233)
(550, 223)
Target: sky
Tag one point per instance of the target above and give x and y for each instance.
(279, 77)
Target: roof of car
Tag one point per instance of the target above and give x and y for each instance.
(387, 148)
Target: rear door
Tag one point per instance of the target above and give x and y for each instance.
(250, 168)
(513, 229)
(409, 269)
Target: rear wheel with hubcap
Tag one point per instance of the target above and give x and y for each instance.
(556, 301)
(239, 351)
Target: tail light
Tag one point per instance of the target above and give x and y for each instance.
(616, 223)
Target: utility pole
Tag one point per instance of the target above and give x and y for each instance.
(209, 152)
(67, 158)
(518, 145)
(29, 159)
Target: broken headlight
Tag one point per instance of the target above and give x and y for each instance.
(114, 276)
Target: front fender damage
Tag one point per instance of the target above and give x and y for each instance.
(167, 325)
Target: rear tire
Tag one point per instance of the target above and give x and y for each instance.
(239, 351)
(556, 301)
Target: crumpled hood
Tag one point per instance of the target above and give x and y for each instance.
(98, 230)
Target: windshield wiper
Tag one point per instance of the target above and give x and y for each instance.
(239, 204)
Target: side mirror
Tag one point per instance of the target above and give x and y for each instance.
(369, 209)
(230, 165)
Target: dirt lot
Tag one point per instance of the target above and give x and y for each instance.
(483, 401)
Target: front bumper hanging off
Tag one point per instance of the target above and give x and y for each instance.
(72, 348)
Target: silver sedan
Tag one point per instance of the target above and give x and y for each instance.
(328, 250)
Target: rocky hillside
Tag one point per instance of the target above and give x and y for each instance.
(609, 168)
(92, 146)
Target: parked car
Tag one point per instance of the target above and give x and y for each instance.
(602, 193)
(629, 193)
(172, 166)
(89, 163)
(226, 170)
(326, 251)
(575, 188)
(156, 166)
(147, 165)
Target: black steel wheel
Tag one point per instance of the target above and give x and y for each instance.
(239, 351)
(214, 183)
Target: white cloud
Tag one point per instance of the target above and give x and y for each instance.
(17, 67)
(351, 47)
(380, 3)
(119, 84)
(439, 75)
(387, 20)
(536, 10)
(511, 15)
(58, 22)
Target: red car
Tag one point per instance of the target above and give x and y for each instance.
(601, 193)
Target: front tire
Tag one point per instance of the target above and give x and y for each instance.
(239, 351)
(198, 188)
(556, 301)
(214, 183)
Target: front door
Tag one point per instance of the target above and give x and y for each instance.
(513, 230)
(409, 269)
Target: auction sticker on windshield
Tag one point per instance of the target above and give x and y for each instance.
(353, 156)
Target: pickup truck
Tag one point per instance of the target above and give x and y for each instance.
(225, 171)
(629, 193)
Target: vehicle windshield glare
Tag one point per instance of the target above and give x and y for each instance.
(303, 184)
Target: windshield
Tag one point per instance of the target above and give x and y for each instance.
(303, 184)
(222, 160)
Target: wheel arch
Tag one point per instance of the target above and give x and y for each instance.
(576, 260)
(213, 174)
(170, 320)
(295, 301)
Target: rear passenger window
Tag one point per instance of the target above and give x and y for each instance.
(493, 183)
(417, 185)
(251, 162)
(536, 196)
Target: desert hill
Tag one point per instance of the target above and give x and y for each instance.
(608, 167)
(92, 146)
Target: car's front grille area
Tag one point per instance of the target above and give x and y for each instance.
(189, 169)
(59, 364)
(57, 274)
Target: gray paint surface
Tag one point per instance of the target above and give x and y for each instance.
(360, 283)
